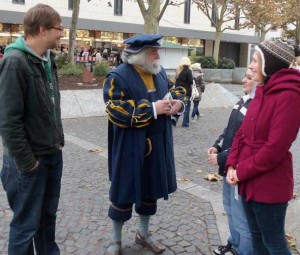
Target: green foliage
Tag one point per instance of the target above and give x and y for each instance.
(207, 62)
(226, 63)
(71, 69)
(101, 69)
(62, 60)
(194, 59)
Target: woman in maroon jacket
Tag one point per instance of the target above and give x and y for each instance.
(260, 162)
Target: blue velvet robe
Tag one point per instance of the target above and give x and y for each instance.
(140, 148)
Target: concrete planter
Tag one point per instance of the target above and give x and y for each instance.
(224, 75)
(238, 74)
(219, 75)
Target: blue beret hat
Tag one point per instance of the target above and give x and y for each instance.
(139, 42)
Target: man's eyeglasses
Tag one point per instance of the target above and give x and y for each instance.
(61, 29)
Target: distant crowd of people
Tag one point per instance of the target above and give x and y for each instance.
(296, 64)
(96, 55)
(2, 49)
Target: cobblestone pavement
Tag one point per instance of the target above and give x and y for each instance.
(186, 223)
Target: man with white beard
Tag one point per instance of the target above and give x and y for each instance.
(139, 101)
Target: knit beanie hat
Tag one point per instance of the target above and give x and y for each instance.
(275, 55)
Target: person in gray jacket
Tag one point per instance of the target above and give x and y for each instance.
(198, 78)
(32, 134)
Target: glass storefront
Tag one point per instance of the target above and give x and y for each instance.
(97, 39)
(94, 38)
(196, 45)
(10, 32)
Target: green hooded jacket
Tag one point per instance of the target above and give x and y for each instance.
(30, 117)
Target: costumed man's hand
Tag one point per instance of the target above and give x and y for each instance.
(176, 107)
(163, 107)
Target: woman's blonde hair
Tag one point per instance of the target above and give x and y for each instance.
(184, 62)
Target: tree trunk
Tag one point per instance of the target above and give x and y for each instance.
(151, 25)
(151, 18)
(217, 44)
(297, 32)
(263, 33)
(73, 28)
(152, 15)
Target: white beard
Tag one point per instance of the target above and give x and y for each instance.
(152, 68)
(143, 62)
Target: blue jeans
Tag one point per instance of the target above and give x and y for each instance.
(195, 109)
(33, 197)
(240, 236)
(266, 223)
(186, 115)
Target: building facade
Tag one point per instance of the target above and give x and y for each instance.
(106, 24)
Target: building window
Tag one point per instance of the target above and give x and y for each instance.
(187, 12)
(118, 7)
(70, 4)
(18, 1)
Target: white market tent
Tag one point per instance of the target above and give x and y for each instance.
(171, 54)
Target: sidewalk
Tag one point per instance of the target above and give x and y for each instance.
(89, 103)
(192, 221)
(186, 223)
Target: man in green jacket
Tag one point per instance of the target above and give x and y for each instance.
(32, 134)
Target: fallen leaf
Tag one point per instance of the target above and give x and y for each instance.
(213, 177)
(291, 244)
(183, 179)
(97, 149)
(288, 236)
(198, 171)
(290, 240)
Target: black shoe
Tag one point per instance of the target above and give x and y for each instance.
(225, 249)
(174, 122)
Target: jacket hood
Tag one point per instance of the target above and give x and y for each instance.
(197, 73)
(285, 79)
(20, 44)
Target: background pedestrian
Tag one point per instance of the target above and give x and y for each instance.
(184, 79)
(199, 81)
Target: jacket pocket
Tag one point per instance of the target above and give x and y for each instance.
(27, 179)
